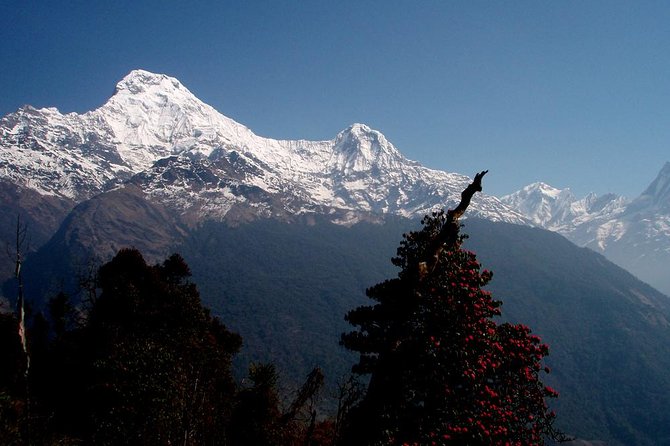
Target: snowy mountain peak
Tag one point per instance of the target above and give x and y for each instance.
(541, 202)
(658, 191)
(181, 152)
(152, 116)
(142, 93)
(634, 234)
(559, 210)
(358, 128)
(361, 137)
(139, 81)
(360, 148)
(545, 190)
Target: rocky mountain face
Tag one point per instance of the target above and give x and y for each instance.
(635, 234)
(182, 153)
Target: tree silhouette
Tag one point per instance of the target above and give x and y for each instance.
(442, 370)
(159, 363)
(144, 363)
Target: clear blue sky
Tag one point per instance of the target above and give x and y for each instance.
(574, 93)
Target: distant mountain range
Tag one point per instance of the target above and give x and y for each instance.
(634, 234)
(284, 236)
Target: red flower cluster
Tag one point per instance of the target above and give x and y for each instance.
(492, 388)
(443, 370)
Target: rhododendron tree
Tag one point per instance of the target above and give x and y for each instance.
(442, 370)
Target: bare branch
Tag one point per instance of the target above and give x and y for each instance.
(448, 235)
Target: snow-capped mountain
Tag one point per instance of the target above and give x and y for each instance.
(656, 197)
(155, 136)
(632, 233)
(182, 153)
(544, 205)
(559, 210)
(149, 117)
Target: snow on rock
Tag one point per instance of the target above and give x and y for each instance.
(560, 211)
(544, 205)
(634, 234)
(155, 133)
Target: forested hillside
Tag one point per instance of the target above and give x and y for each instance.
(286, 287)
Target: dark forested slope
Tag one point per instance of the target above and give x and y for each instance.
(286, 287)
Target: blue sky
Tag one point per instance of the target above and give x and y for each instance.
(573, 93)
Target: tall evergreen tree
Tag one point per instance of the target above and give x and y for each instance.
(442, 370)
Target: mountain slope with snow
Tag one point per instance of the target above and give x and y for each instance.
(558, 209)
(180, 151)
(635, 234)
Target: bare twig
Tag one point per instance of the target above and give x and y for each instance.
(448, 235)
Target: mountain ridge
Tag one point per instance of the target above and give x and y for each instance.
(182, 154)
(153, 117)
(634, 234)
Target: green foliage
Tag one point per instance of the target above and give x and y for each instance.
(608, 331)
(62, 314)
(442, 370)
(12, 384)
(259, 420)
(282, 286)
(257, 416)
(12, 364)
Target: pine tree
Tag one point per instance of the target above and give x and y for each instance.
(443, 371)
